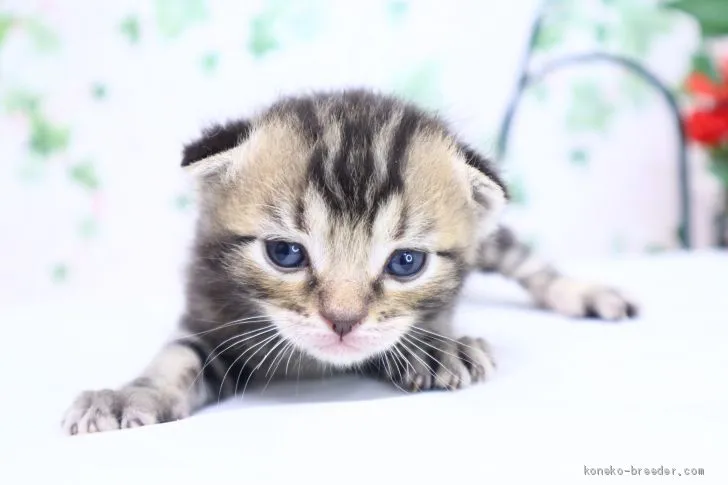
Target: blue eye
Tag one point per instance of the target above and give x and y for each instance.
(286, 254)
(405, 263)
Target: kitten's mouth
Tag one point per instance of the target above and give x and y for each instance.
(338, 345)
(338, 350)
(341, 344)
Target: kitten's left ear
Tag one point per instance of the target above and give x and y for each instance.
(216, 147)
(488, 189)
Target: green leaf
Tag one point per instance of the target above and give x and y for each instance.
(638, 28)
(549, 35)
(88, 227)
(719, 168)
(589, 109)
(176, 16)
(23, 102)
(282, 21)
(262, 36)
(47, 138)
(6, 23)
(210, 61)
(719, 153)
(84, 174)
(704, 64)
(99, 91)
(712, 15)
(601, 33)
(579, 157)
(713, 28)
(43, 38)
(59, 273)
(635, 89)
(131, 29)
(398, 9)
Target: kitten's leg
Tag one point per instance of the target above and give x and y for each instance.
(504, 253)
(425, 359)
(170, 388)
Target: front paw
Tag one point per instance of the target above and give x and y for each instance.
(577, 299)
(427, 362)
(129, 407)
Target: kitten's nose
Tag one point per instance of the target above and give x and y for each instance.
(343, 323)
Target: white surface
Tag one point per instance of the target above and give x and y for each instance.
(649, 393)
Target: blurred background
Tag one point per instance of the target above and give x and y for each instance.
(97, 99)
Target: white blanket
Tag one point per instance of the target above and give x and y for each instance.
(569, 397)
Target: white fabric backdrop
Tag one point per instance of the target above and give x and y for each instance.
(97, 101)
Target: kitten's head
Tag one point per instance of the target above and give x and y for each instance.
(346, 218)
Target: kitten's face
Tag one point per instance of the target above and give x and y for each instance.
(347, 226)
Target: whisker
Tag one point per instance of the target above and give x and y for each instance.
(298, 374)
(395, 359)
(413, 354)
(432, 357)
(444, 338)
(293, 351)
(241, 321)
(393, 380)
(237, 381)
(241, 338)
(381, 366)
(280, 356)
(406, 360)
(463, 358)
(265, 357)
(256, 346)
(237, 320)
(266, 328)
(260, 364)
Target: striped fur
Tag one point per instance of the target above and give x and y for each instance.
(351, 177)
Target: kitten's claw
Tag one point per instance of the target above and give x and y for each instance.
(576, 299)
(106, 410)
(454, 365)
(477, 357)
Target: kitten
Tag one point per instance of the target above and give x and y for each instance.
(335, 230)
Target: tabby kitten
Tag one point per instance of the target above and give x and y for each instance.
(335, 231)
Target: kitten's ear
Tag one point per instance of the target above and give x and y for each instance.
(216, 147)
(488, 189)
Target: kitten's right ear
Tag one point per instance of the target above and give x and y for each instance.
(215, 148)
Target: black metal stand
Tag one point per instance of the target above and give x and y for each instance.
(526, 79)
(721, 222)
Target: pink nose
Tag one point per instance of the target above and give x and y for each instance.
(342, 324)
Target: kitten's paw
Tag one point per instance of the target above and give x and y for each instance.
(577, 299)
(477, 356)
(447, 365)
(105, 410)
